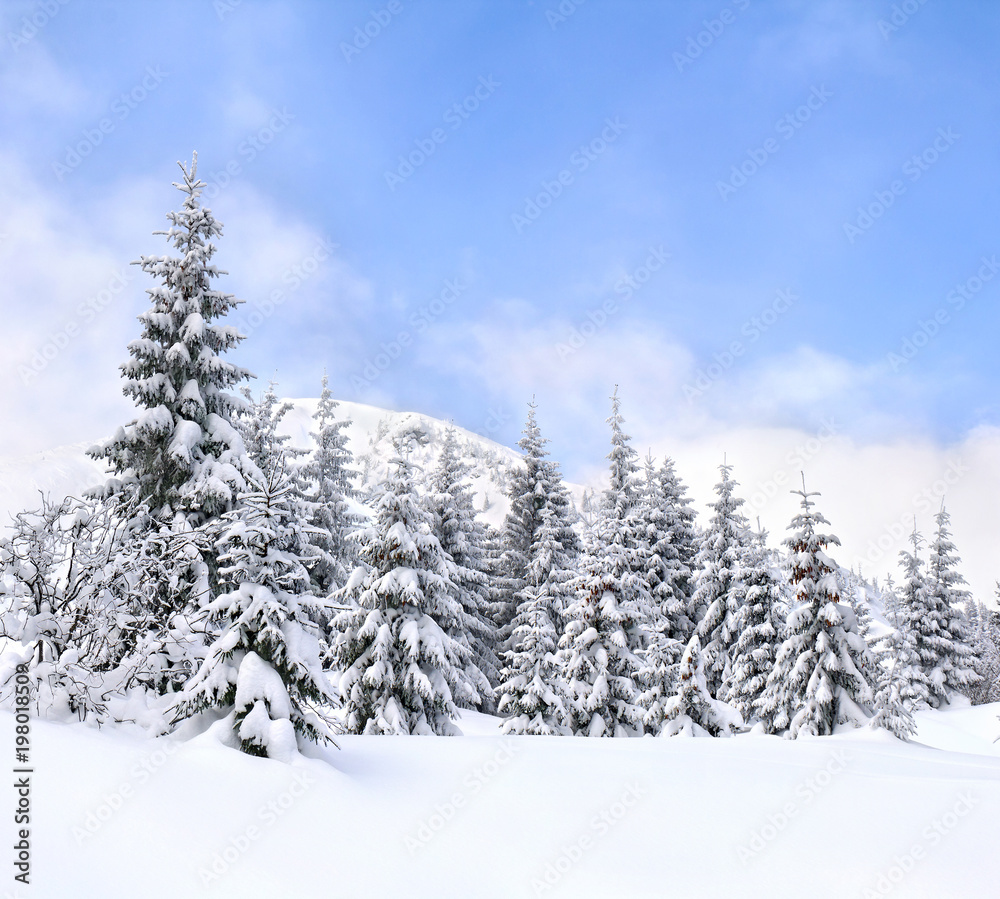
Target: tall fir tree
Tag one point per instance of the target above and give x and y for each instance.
(329, 487)
(940, 663)
(263, 668)
(684, 542)
(985, 627)
(667, 539)
(759, 626)
(401, 672)
(182, 458)
(913, 604)
(534, 484)
(624, 531)
(611, 625)
(462, 537)
(955, 665)
(621, 500)
(533, 695)
(892, 710)
(719, 591)
(597, 656)
(817, 681)
(182, 453)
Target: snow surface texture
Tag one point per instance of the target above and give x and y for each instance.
(857, 814)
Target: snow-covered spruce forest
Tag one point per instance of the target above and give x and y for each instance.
(226, 584)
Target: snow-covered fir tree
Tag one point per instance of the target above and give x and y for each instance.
(890, 601)
(856, 592)
(263, 669)
(758, 623)
(182, 458)
(913, 604)
(817, 681)
(623, 530)
(668, 541)
(691, 711)
(604, 624)
(896, 652)
(719, 591)
(621, 499)
(401, 671)
(328, 479)
(984, 625)
(925, 620)
(678, 547)
(496, 580)
(954, 668)
(462, 537)
(533, 696)
(259, 424)
(855, 589)
(893, 696)
(534, 484)
(182, 453)
(610, 642)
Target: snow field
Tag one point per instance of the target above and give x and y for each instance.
(858, 814)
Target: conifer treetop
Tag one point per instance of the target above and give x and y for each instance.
(182, 449)
(620, 497)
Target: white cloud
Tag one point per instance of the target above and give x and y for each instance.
(31, 82)
(62, 355)
(774, 418)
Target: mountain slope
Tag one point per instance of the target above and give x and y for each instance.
(67, 470)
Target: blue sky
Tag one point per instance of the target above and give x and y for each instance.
(824, 104)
